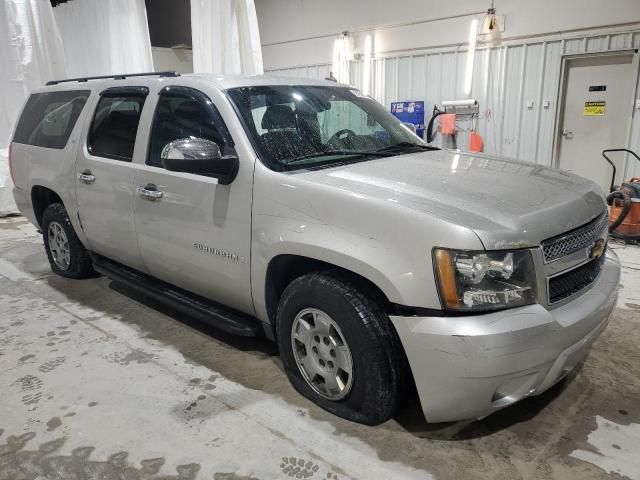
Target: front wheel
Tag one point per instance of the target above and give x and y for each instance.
(339, 348)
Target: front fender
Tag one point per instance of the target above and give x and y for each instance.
(387, 244)
(264, 254)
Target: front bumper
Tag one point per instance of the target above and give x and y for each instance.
(471, 366)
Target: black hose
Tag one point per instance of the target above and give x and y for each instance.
(430, 133)
(626, 206)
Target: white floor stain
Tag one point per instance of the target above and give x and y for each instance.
(125, 392)
(629, 292)
(617, 448)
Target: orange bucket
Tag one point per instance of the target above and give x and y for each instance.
(476, 143)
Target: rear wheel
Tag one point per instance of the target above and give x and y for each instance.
(339, 348)
(67, 256)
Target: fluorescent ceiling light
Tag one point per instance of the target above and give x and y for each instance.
(471, 54)
(366, 67)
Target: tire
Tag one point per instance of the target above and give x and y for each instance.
(79, 263)
(379, 367)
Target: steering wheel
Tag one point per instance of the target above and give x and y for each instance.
(341, 136)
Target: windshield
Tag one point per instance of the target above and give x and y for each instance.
(297, 127)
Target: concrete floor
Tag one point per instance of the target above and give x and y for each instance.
(99, 383)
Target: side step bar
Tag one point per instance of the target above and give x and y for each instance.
(192, 305)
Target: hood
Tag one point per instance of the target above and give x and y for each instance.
(508, 204)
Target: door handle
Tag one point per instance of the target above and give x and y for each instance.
(568, 134)
(149, 191)
(87, 177)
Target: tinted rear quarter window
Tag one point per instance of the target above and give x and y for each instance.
(48, 118)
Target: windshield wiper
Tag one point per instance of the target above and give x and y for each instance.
(374, 153)
(406, 146)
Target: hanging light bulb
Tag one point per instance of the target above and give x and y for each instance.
(492, 27)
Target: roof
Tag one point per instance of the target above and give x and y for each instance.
(222, 82)
(233, 81)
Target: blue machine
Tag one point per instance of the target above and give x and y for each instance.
(410, 112)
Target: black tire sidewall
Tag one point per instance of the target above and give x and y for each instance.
(372, 398)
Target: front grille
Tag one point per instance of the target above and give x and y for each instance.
(581, 237)
(571, 282)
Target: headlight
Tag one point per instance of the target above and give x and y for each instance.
(480, 281)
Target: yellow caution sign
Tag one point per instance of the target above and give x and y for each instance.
(593, 109)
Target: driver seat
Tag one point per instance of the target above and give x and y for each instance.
(283, 139)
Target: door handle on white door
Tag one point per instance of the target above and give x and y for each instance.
(149, 191)
(87, 177)
(568, 134)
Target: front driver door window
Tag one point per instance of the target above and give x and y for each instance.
(197, 233)
(186, 113)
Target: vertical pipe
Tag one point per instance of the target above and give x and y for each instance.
(485, 88)
(503, 74)
(523, 69)
(410, 93)
(425, 82)
(366, 66)
(471, 55)
(440, 78)
(455, 75)
(539, 100)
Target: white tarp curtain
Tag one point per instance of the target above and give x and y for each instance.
(103, 37)
(225, 37)
(30, 54)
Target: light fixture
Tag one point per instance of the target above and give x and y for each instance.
(492, 26)
(471, 54)
(366, 66)
(342, 55)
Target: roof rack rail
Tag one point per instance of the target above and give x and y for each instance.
(115, 77)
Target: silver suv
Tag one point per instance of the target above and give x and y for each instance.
(302, 210)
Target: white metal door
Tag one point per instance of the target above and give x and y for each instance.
(598, 98)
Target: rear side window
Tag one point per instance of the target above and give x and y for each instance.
(115, 123)
(48, 118)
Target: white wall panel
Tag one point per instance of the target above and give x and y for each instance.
(619, 41)
(418, 77)
(598, 44)
(505, 79)
(303, 31)
(433, 83)
(574, 45)
(551, 79)
(404, 77)
(516, 56)
(530, 103)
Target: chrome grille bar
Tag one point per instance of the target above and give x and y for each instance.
(565, 244)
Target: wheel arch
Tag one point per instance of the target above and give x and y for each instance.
(284, 268)
(41, 198)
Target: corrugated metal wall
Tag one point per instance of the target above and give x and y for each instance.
(512, 84)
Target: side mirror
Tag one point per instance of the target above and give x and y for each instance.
(199, 156)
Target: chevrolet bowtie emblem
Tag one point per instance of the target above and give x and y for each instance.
(597, 249)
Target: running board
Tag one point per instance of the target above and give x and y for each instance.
(193, 305)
